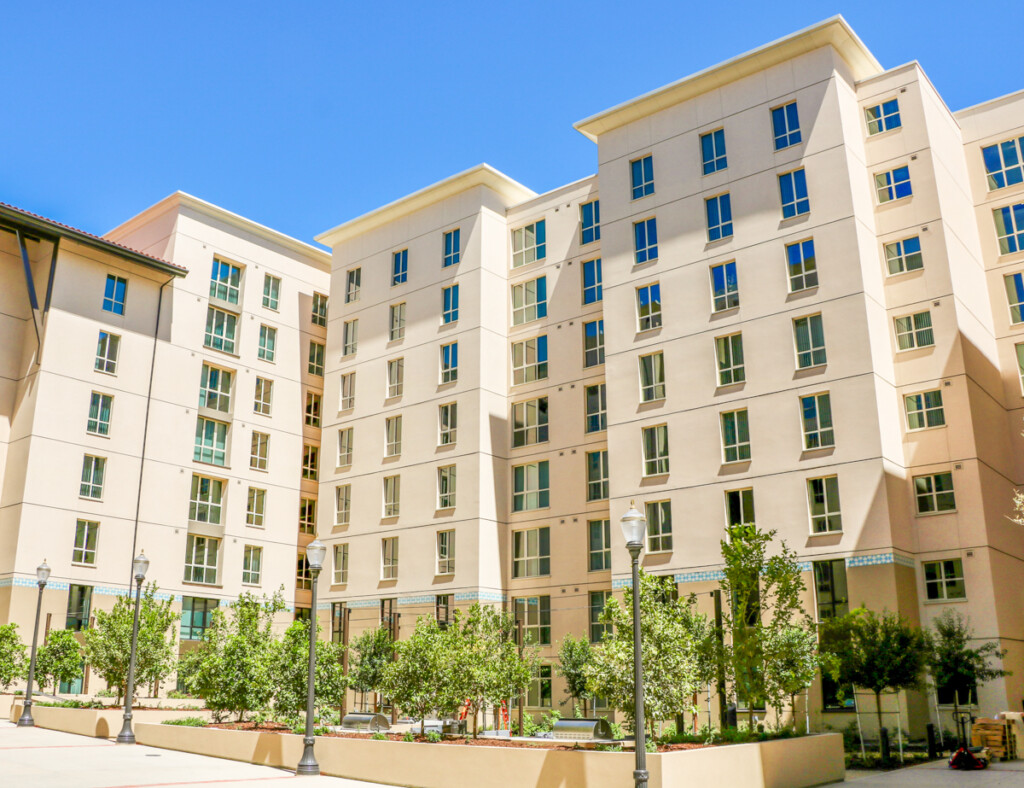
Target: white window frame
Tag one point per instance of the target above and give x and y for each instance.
(108, 346)
(87, 532)
(93, 471)
(820, 436)
(350, 337)
(930, 493)
(925, 410)
(343, 504)
(529, 244)
(206, 500)
(652, 376)
(393, 436)
(657, 462)
(215, 386)
(310, 461)
(271, 292)
(823, 505)
(262, 401)
(527, 305)
(914, 331)
(314, 409)
(256, 507)
(347, 391)
(727, 349)
(597, 483)
(447, 423)
(532, 497)
(353, 284)
(396, 377)
(339, 575)
(389, 558)
(651, 318)
(267, 349)
(317, 351)
(529, 422)
(944, 580)
(445, 553)
(659, 526)
(529, 371)
(396, 322)
(450, 371)
(446, 487)
(392, 494)
(201, 559)
(737, 450)
(252, 565)
(346, 439)
(528, 556)
(812, 349)
(259, 451)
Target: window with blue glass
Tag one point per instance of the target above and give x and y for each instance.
(450, 362)
(1010, 228)
(399, 267)
(592, 292)
(1015, 296)
(801, 266)
(1003, 163)
(590, 222)
(196, 617)
(793, 190)
(905, 255)
(452, 247)
(712, 151)
(725, 288)
(719, 214)
(645, 240)
(893, 185)
(883, 117)
(529, 244)
(642, 172)
(786, 125)
(114, 294)
(450, 312)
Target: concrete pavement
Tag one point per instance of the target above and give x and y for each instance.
(1009, 774)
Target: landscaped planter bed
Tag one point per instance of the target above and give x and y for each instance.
(100, 723)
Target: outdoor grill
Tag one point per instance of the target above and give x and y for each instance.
(582, 730)
(362, 721)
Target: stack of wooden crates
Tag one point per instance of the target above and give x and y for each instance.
(997, 736)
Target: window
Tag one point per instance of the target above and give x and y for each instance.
(224, 281)
(211, 441)
(271, 291)
(786, 125)
(303, 581)
(914, 331)
(725, 289)
(528, 244)
(205, 500)
(446, 487)
(712, 151)
(801, 266)
(201, 559)
(340, 576)
(353, 282)
(893, 185)
(739, 507)
(530, 486)
(307, 515)
(729, 351)
(447, 423)
(642, 176)
(93, 469)
(531, 552)
(590, 222)
(529, 301)
(316, 358)
(347, 389)
(256, 507)
(648, 307)
(443, 604)
(79, 606)
(597, 475)
(645, 241)
(215, 389)
(905, 255)
(86, 534)
(934, 493)
(659, 526)
(450, 362)
(883, 117)
(252, 564)
(816, 416)
(196, 617)
(530, 360)
(535, 613)
(259, 450)
(399, 267)
(735, 436)
(268, 343)
(924, 410)
(652, 377)
(793, 191)
(598, 628)
(392, 495)
(446, 552)
(343, 504)
(314, 404)
(396, 377)
(655, 443)
(593, 344)
(592, 283)
(1003, 163)
(1015, 295)
(106, 352)
(810, 341)
(114, 294)
(310, 462)
(345, 438)
(389, 558)
(529, 422)
(1020, 364)
(944, 579)
(450, 304)
(599, 545)
(832, 593)
(220, 330)
(823, 500)
(100, 406)
(596, 403)
(261, 400)
(393, 436)
(349, 337)
(452, 248)
(396, 321)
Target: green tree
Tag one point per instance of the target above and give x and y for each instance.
(956, 665)
(573, 657)
(370, 653)
(291, 671)
(792, 662)
(13, 665)
(108, 644)
(59, 659)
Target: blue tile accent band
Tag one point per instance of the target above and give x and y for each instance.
(364, 603)
(699, 577)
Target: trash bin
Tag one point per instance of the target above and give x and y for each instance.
(582, 730)
(365, 722)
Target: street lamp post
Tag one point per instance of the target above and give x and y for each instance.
(634, 529)
(25, 720)
(315, 554)
(127, 736)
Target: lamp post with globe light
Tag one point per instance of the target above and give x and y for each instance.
(634, 529)
(25, 720)
(139, 567)
(316, 551)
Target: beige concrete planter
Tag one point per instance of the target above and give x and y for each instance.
(99, 723)
(6, 701)
(790, 763)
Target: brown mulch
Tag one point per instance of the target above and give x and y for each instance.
(267, 727)
(684, 746)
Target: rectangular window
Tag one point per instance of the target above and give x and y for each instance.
(447, 423)
(944, 579)
(114, 294)
(599, 545)
(531, 552)
(396, 377)
(596, 404)
(530, 486)
(86, 535)
(530, 360)
(793, 191)
(206, 499)
(883, 117)
(196, 617)
(712, 151)
(347, 390)
(345, 438)
(823, 500)
(816, 416)
(659, 526)
(1003, 163)
(1020, 364)
(211, 441)
(598, 628)
(934, 493)
(833, 596)
(444, 604)
(310, 462)
(655, 444)
(79, 607)
(268, 343)
(303, 582)
(389, 558)
(652, 377)
(597, 475)
(316, 359)
(220, 330)
(452, 248)
(393, 436)
(593, 343)
(349, 337)
(924, 410)
(645, 240)
(529, 422)
(786, 125)
(340, 575)
(271, 291)
(215, 389)
(392, 495)
(252, 565)
(450, 362)
(535, 613)
(353, 283)
(725, 287)
(256, 507)
(259, 451)
(201, 559)
(893, 185)
(314, 405)
(106, 352)
(224, 281)
(100, 406)
(450, 304)
(446, 552)
(396, 322)
(905, 255)
(529, 301)
(343, 504)
(914, 331)
(446, 482)
(529, 244)
(801, 266)
(1015, 296)
(262, 397)
(719, 217)
(648, 307)
(93, 470)
(739, 507)
(642, 176)
(810, 341)
(399, 267)
(735, 436)
(592, 283)
(729, 351)
(590, 222)
(307, 515)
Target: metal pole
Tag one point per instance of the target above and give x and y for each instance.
(26, 715)
(640, 773)
(519, 639)
(127, 736)
(720, 665)
(308, 764)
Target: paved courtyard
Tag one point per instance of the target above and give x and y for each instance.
(937, 775)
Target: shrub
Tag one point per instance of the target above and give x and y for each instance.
(409, 736)
(433, 737)
(13, 665)
(106, 693)
(189, 722)
(378, 736)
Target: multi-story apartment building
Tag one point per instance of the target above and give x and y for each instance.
(796, 301)
(161, 391)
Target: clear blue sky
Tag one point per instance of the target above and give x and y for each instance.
(302, 115)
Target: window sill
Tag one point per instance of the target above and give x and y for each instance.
(798, 218)
(813, 534)
(901, 351)
(90, 499)
(718, 242)
(961, 600)
(896, 201)
(98, 435)
(444, 574)
(925, 429)
(733, 464)
(936, 514)
(659, 477)
(253, 525)
(811, 367)
(104, 372)
(211, 464)
(83, 565)
(817, 451)
(886, 133)
(201, 585)
(252, 585)
(259, 470)
(659, 552)
(230, 353)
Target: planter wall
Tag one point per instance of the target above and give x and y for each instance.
(98, 723)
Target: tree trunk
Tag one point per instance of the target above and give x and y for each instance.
(792, 705)
(878, 711)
